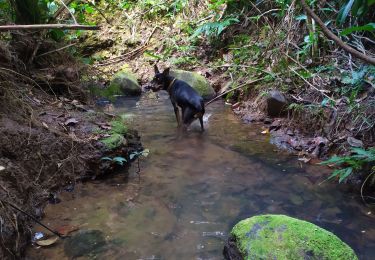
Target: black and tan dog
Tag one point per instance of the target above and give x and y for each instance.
(182, 96)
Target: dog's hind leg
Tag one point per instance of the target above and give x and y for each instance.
(188, 116)
(177, 113)
(201, 122)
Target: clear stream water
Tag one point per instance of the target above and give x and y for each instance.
(193, 188)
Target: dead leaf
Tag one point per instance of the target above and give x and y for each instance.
(66, 230)
(45, 125)
(71, 122)
(47, 242)
(304, 159)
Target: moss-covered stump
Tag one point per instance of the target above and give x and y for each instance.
(282, 237)
(198, 82)
(126, 83)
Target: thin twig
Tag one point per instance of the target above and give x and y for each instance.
(60, 10)
(48, 26)
(60, 49)
(66, 7)
(32, 217)
(311, 85)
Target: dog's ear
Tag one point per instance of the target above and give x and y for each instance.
(166, 71)
(156, 69)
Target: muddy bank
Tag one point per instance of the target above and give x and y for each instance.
(51, 137)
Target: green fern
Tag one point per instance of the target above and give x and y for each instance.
(351, 163)
(214, 29)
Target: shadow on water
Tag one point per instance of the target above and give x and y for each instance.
(193, 188)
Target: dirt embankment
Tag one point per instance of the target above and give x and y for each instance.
(50, 137)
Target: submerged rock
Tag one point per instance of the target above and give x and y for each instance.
(283, 237)
(126, 83)
(276, 104)
(198, 82)
(84, 243)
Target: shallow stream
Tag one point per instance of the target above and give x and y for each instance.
(193, 188)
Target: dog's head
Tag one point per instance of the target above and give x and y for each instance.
(160, 79)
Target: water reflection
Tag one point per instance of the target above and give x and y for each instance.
(194, 187)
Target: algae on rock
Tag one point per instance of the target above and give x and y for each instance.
(282, 237)
(198, 82)
(126, 82)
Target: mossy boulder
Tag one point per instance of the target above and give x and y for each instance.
(125, 83)
(198, 82)
(282, 237)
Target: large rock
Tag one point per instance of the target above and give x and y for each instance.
(276, 104)
(283, 237)
(126, 83)
(198, 82)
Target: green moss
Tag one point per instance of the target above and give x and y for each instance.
(198, 82)
(283, 237)
(118, 130)
(118, 127)
(113, 141)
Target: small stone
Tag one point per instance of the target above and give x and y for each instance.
(267, 121)
(354, 142)
(290, 133)
(276, 125)
(248, 118)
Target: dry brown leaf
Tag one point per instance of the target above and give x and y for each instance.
(47, 242)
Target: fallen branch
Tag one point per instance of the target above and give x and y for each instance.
(47, 26)
(233, 89)
(334, 38)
